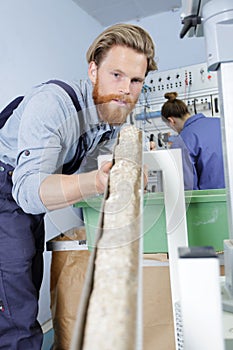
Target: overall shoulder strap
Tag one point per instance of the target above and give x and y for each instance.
(74, 164)
(8, 110)
(69, 90)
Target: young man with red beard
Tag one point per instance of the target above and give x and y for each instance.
(48, 161)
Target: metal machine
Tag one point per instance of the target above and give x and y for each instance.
(214, 20)
(206, 88)
(195, 85)
(217, 26)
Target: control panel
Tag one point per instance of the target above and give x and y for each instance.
(184, 80)
(195, 85)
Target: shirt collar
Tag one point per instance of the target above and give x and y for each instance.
(193, 118)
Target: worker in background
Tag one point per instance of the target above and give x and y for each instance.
(199, 138)
(39, 137)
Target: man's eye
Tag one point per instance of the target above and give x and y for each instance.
(136, 81)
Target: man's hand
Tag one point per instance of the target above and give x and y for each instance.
(102, 176)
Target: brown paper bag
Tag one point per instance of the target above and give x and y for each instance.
(68, 269)
(158, 326)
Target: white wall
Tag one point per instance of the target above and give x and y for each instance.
(41, 40)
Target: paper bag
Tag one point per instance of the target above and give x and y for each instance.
(158, 325)
(68, 269)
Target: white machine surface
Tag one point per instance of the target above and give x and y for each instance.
(200, 294)
(227, 323)
(170, 163)
(205, 281)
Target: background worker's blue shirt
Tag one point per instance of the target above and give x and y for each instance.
(202, 155)
(42, 134)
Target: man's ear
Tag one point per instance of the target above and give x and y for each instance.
(92, 71)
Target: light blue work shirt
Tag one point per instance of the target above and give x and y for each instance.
(201, 144)
(42, 134)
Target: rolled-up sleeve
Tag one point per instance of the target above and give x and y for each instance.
(45, 137)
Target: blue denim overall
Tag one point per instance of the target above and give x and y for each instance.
(21, 270)
(21, 259)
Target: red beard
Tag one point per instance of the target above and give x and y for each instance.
(109, 112)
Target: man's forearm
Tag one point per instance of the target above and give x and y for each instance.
(59, 191)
